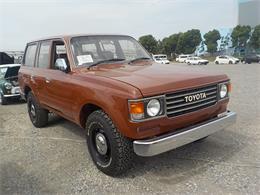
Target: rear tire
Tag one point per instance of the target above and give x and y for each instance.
(111, 152)
(3, 100)
(38, 115)
(216, 62)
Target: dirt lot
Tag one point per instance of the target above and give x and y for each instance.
(55, 159)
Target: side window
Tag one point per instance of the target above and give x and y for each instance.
(59, 52)
(44, 55)
(30, 55)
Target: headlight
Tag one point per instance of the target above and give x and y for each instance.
(147, 108)
(153, 107)
(8, 86)
(224, 89)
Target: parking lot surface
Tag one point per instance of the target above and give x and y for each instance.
(55, 160)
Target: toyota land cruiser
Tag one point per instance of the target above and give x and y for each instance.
(128, 104)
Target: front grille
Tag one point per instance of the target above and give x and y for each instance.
(176, 103)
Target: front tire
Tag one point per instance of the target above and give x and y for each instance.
(38, 115)
(3, 99)
(110, 151)
(230, 62)
(216, 62)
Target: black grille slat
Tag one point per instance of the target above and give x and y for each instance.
(176, 104)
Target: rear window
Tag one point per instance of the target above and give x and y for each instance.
(30, 55)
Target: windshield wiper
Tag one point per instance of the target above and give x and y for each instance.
(136, 59)
(104, 61)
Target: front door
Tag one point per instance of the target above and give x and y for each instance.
(59, 88)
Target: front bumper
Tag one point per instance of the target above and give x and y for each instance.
(11, 95)
(164, 143)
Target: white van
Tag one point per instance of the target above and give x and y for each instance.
(182, 58)
(161, 58)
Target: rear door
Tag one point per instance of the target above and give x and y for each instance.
(42, 66)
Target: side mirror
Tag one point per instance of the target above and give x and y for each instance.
(61, 64)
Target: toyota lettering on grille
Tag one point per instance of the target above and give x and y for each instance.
(195, 97)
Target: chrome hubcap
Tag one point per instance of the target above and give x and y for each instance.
(33, 110)
(101, 143)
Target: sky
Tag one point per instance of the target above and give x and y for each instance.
(24, 20)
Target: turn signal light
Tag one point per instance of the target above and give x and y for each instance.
(136, 110)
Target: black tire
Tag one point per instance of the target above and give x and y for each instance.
(230, 62)
(38, 115)
(199, 63)
(118, 155)
(3, 100)
(216, 62)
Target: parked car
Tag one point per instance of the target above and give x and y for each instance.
(226, 60)
(249, 58)
(182, 58)
(196, 61)
(9, 86)
(6, 59)
(161, 59)
(127, 103)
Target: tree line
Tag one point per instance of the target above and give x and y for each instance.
(188, 42)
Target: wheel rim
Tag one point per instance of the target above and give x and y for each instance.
(32, 110)
(100, 145)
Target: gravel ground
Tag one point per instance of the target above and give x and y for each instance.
(55, 160)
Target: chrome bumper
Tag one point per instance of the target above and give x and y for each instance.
(164, 143)
(12, 95)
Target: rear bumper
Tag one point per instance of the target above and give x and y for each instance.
(164, 143)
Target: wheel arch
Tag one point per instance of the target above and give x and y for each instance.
(86, 110)
(27, 89)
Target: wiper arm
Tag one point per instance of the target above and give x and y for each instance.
(104, 61)
(142, 58)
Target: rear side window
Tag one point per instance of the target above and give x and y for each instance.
(30, 55)
(44, 55)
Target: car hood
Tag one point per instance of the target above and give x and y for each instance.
(152, 78)
(11, 72)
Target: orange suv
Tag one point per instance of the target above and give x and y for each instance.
(127, 104)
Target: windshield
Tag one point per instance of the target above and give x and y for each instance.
(88, 50)
(2, 72)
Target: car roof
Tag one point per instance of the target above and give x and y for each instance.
(74, 35)
(9, 65)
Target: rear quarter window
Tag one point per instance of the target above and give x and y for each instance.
(30, 55)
